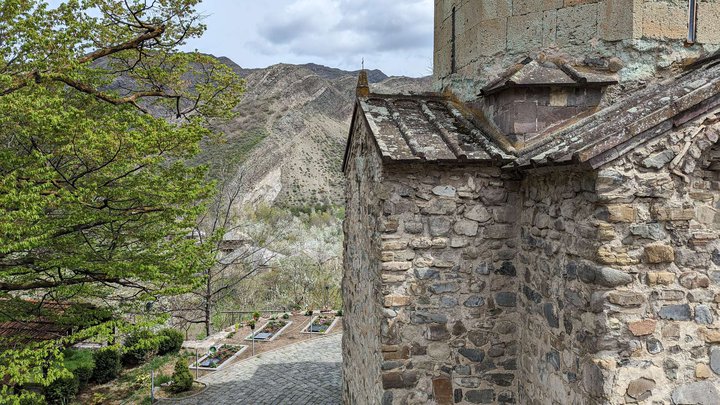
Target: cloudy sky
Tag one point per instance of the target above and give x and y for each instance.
(392, 35)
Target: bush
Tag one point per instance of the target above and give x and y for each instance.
(286, 316)
(107, 365)
(256, 315)
(309, 312)
(339, 312)
(62, 391)
(83, 374)
(182, 379)
(140, 346)
(171, 341)
(81, 364)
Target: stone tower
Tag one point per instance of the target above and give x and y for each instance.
(475, 39)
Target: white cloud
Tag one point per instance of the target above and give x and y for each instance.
(349, 30)
(392, 35)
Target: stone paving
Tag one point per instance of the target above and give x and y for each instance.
(303, 373)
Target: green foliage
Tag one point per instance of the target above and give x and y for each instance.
(81, 364)
(83, 374)
(107, 365)
(286, 316)
(139, 347)
(182, 379)
(96, 197)
(62, 391)
(162, 379)
(339, 312)
(309, 312)
(98, 398)
(256, 315)
(76, 358)
(171, 341)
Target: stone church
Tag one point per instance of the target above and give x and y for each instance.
(544, 228)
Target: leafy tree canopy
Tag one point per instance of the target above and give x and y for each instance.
(99, 112)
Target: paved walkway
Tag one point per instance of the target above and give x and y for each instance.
(303, 373)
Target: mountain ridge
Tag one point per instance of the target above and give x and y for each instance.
(285, 145)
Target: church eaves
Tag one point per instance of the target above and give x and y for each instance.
(434, 128)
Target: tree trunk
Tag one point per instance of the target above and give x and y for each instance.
(208, 305)
(207, 317)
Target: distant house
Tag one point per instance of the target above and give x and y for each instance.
(40, 328)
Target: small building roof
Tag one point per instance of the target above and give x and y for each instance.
(38, 329)
(619, 128)
(429, 127)
(435, 128)
(533, 73)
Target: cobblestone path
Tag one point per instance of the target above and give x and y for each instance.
(303, 373)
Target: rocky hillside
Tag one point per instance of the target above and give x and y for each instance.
(287, 143)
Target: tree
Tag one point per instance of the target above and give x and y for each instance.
(96, 197)
(182, 380)
(309, 274)
(225, 267)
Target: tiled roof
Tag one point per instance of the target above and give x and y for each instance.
(434, 128)
(31, 331)
(615, 130)
(36, 327)
(428, 128)
(531, 72)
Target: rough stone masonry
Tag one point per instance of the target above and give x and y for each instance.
(545, 231)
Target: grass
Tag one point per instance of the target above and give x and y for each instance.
(144, 370)
(77, 358)
(162, 379)
(133, 385)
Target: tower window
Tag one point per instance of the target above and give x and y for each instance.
(453, 67)
(692, 22)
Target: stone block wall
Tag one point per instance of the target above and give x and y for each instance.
(450, 329)
(361, 278)
(557, 278)
(522, 113)
(658, 222)
(466, 284)
(491, 35)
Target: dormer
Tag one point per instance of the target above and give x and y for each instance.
(533, 96)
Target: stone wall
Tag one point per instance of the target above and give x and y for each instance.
(361, 278)
(657, 219)
(450, 332)
(490, 35)
(557, 246)
(466, 284)
(523, 113)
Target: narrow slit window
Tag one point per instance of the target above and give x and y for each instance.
(692, 21)
(453, 66)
